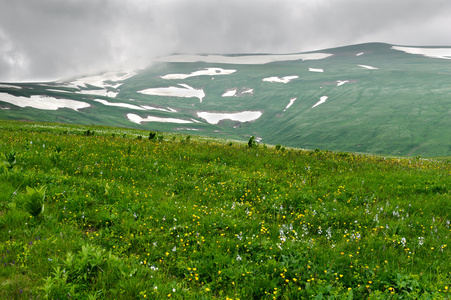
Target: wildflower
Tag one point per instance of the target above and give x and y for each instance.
(403, 242)
(420, 241)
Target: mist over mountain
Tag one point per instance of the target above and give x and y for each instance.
(50, 40)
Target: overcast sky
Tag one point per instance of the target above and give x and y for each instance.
(53, 39)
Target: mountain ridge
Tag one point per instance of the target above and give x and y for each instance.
(367, 98)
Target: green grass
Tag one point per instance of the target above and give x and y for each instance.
(202, 218)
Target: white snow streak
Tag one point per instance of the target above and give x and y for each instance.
(443, 53)
(245, 116)
(321, 101)
(208, 72)
(43, 102)
(285, 79)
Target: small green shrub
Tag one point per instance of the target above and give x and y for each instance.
(252, 143)
(10, 159)
(152, 135)
(34, 200)
(88, 132)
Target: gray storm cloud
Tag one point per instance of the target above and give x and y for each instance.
(52, 39)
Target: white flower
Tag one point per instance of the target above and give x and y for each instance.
(420, 241)
(238, 257)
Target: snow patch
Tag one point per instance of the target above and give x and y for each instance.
(125, 105)
(245, 59)
(229, 93)
(360, 53)
(104, 93)
(244, 116)
(289, 104)
(248, 91)
(43, 102)
(208, 72)
(443, 53)
(185, 128)
(168, 109)
(138, 120)
(368, 67)
(58, 91)
(285, 79)
(321, 101)
(185, 91)
(341, 82)
(316, 70)
(100, 80)
(131, 106)
(8, 86)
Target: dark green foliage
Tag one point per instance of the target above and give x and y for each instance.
(10, 159)
(152, 135)
(252, 143)
(88, 132)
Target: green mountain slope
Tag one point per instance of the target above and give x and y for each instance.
(375, 99)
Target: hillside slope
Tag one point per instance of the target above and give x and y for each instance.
(370, 98)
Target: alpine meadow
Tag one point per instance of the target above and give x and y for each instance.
(317, 175)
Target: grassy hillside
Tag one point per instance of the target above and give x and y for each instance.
(379, 100)
(186, 217)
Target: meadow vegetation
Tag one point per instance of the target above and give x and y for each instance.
(114, 216)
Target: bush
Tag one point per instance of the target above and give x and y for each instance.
(252, 143)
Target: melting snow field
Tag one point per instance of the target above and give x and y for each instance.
(368, 67)
(138, 120)
(184, 91)
(321, 101)
(245, 116)
(316, 70)
(100, 80)
(245, 59)
(289, 104)
(285, 79)
(206, 72)
(43, 102)
(443, 53)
